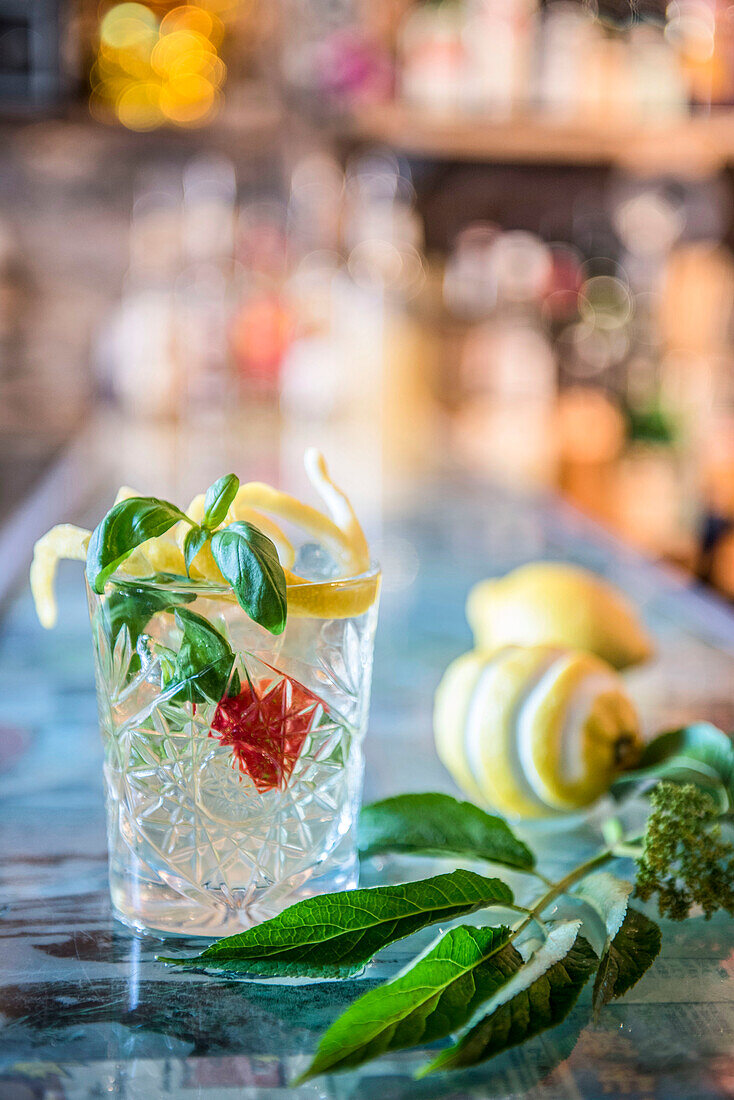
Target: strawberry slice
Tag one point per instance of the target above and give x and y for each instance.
(266, 725)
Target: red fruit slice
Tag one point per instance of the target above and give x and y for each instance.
(266, 725)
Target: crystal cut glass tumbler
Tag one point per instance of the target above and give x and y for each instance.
(220, 813)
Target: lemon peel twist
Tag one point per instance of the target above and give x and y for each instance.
(63, 541)
(348, 594)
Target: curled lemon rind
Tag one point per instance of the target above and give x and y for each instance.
(344, 597)
(63, 541)
(340, 507)
(269, 527)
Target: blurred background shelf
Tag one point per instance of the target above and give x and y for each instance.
(695, 145)
(487, 236)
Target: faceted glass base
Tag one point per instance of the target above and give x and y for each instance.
(160, 910)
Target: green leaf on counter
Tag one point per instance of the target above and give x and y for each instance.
(335, 935)
(631, 952)
(204, 661)
(699, 753)
(195, 539)
(538, 996)
(126, 526)
(439, 825)
(249, 561)
(438, 995)
(218, 498)
(607, 895)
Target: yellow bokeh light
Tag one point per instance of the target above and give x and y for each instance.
(210, 66)
(125, 25)
(187, 100)
(170, 47)
(152, 72)
(139, 107)
(188, 17)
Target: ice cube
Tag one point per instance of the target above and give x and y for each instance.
(315, 563)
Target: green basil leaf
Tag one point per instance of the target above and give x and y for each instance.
(631, 952)
(698, 753)
(439, 825)
(204, 661)
(438, 995)
(335, 935)
(126, 526)
(133, 606)
(249, 561)
(538, 996)
(195, 539)
(218, 498)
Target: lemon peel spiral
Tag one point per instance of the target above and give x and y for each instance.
(534, 730)
(351, 593)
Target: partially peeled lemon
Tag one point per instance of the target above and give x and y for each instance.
(533, 731)
(553, 603)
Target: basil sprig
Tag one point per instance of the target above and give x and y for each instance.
(126, 526)
(203, 668)
(249, 561)
(218, 498)
(247, 558)
(193, 543)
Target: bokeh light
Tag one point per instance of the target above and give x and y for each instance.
(153, 71)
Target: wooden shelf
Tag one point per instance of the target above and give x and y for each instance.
(694, 145)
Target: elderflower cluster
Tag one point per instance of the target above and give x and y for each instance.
(685, 860)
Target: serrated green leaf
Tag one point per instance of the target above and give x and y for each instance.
(335, 935)
(439, 825)
(195, 539)
(218, 498)
(538, 996)
(204, 661)
(249, 561)
(126, 526)
(608, 896)
(631, 952)
(438, 995)
(699, 753)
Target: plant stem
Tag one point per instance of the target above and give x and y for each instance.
(560, 887)
(530, 916)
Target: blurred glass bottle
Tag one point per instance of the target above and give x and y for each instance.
(140, 340)
(504, 424)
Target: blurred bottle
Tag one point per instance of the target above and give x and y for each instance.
(262, 323)
(205, 287)
(659, 86)
(498, 38)
(702, 34)
(470, 279)
(504, 424)
(314, 206)
(144, 369)
(433, 58)
(568, 37)
(467, 56)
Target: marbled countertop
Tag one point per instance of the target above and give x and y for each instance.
(87, 1012)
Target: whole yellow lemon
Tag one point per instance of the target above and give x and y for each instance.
(552, 603)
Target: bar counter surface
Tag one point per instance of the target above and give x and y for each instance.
(85, 1009)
